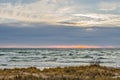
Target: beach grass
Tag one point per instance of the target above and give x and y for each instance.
(92, 72)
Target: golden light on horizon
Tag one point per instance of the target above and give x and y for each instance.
(85, 46)
(51, 46)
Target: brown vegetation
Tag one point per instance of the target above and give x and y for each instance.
(93, 72)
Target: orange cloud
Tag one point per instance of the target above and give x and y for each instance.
(73, 46)
(86, 46)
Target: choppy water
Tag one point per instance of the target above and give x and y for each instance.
(11, 58)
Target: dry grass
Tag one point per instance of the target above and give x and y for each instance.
(93, 72)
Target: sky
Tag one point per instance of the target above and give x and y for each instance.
(60, 23)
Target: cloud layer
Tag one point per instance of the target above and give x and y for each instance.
(52, 36)
(62, 12)
(109, 6)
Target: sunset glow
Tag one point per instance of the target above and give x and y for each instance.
(57, 46)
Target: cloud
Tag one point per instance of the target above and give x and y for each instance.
(93, 19)
(109, 6)
(40, 11)
(89, 29)
(56, 12)
(40, 35)
(17, 1)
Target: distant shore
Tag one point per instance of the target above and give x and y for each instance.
(92, 72)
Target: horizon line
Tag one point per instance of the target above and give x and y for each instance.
(57, 46)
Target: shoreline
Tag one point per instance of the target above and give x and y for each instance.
(42, 68)
(90, 72)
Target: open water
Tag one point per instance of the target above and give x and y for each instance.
(44, 58)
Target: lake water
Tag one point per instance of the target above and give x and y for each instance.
(43, 58)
